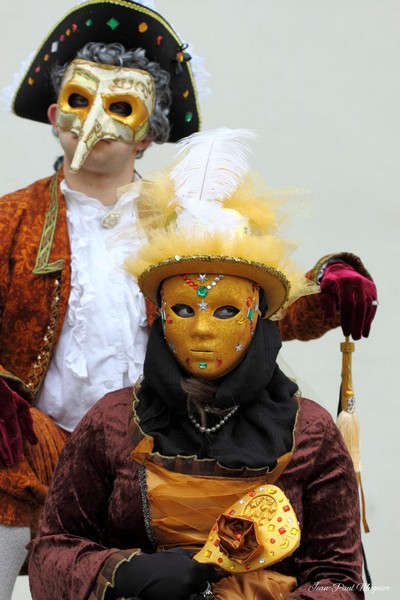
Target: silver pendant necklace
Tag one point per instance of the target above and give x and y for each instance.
(217, 426)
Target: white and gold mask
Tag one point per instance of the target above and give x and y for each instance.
(209, 321)
(100, 101)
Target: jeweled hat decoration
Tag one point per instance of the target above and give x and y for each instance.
(209, 214)
(130, 23)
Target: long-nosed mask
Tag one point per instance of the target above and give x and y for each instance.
(98, 102)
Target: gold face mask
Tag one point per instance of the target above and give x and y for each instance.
(209, 321)
(99, 102)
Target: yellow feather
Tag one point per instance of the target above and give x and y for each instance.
(186, 226)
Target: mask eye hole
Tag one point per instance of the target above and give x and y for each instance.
(225, 312)
(78, 101)
(183, 310)
(122, 109)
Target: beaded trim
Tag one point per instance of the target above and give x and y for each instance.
(202, 290)
(39, 367)
(149, 280)
(146, 506)
(44, 267)
(216, 427)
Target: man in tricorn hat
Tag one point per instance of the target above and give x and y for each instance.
(111, 77)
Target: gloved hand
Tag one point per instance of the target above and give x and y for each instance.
(345, 290)
(15, 424)
(170, 574)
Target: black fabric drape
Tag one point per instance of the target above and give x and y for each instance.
(255, 436)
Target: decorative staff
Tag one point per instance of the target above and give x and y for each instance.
(347, 420)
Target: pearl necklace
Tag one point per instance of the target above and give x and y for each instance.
(216, 427)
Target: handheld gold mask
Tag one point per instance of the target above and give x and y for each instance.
(98, 102)
(209, 321)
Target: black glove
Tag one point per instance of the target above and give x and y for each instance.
(169, 574)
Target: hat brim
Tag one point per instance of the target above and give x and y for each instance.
(126, 22)
(274, 283)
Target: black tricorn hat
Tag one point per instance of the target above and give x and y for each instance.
(123, 21)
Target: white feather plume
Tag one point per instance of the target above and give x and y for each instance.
(7, 93)
(208, 218)
(211, 165)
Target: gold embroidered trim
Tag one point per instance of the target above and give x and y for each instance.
(315, 271)
(106, 578)
(43, 266)
(40, 366)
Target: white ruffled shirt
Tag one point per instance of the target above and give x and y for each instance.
(104, 335)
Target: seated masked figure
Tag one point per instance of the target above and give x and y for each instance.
(212, 477)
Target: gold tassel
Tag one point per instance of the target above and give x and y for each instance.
(347, 420)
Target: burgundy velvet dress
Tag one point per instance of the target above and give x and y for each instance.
(97, 512)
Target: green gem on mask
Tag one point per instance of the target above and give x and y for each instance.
(250, 313)
(202, 365)
(202, 291)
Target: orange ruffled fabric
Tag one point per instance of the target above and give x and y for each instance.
(24, 487)
(185, 507)
(257, 585)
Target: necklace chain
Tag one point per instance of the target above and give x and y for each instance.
(217, 426)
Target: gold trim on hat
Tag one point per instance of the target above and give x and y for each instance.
(275, 284)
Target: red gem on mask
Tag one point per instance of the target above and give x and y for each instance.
(190, 282)
(219, 362)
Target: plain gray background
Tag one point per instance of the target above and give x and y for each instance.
(319, 80)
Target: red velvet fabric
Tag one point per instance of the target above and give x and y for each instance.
(347, 292)
(94, 509)
(16, 424)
